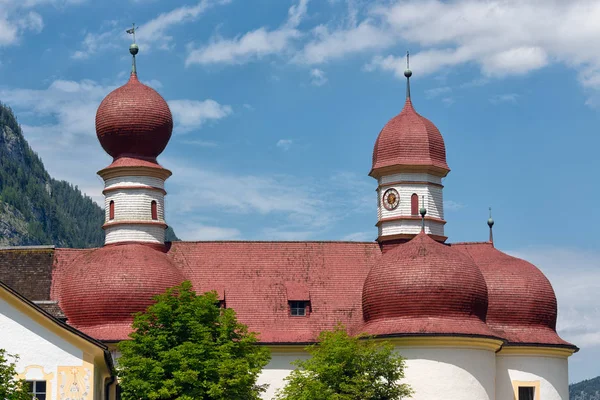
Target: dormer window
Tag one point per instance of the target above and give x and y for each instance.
(299, 308)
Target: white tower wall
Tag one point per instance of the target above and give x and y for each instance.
(133, 197)
(401, 220)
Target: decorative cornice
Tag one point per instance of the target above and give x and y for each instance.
(396, 169)
(117, 223)
(456, 342)
(540, 351)
(134, 187)
(395, 183)
(409, 218)
(117, 172)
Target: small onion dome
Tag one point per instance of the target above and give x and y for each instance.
(521, 302)
(104, 287)
(424, 287)
(410, 140)
(134, 120)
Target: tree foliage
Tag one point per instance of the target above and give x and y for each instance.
(186, 347)
(11, 388)
(343, 367)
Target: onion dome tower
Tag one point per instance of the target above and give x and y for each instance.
(134, 125)
(409, 162)
(108, 285)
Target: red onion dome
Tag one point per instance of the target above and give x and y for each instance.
(409, 139)
(134, 120)
(425, 287)
(522, 305)
(108, 285)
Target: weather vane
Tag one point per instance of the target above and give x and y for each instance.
(132, 31)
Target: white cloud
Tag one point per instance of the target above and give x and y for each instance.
(435, 92)
(252, 45)
(451, 205)
(360, 237)
(152, 34)
(284, 144)
(192, 114)
(318, 77)
(197, 231)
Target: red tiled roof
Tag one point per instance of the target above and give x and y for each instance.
(522, 305)
(256, 277)
(124, 161)
(135, 120)
(409, 139)
(101, 289)
(423, 286)
(418, 288)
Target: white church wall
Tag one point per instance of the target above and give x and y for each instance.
(550, 373)
(277, 370)
(40, 351)
(458, 374)
(410, 176)
(450, 373)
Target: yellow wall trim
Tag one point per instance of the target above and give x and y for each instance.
(47, 377)
(559, 352)
(456, 342)
(534, 384)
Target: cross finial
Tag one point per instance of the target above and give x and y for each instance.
(490, 223)
(407, 74)
(133, 49)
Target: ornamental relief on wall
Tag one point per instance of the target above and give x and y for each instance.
(75, 383)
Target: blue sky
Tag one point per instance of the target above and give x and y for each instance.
(277, 105)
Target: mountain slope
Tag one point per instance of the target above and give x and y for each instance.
(585, 390)
(37, 209)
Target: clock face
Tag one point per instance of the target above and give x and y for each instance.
(391, 199)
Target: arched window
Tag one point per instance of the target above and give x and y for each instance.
(414, 204)
(111, 210)
(154, 210)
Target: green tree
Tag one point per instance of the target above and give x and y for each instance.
(343, 367)
(186, 347)
(11, 388)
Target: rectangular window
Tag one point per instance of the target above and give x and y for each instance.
(299, 308)
(37, 389)
(526, 393)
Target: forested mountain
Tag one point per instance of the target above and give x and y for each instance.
(37, 209)
(585, 390)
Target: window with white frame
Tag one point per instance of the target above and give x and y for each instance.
(37, 389)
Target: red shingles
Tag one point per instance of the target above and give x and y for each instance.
(409, 139)
(134, 120)
(425, 287)
(101, 289)
(522, 305)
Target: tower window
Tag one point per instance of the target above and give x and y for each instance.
(111, 210)
(299, 308)
(414, 204)
(37, 389)
(154, 210)
(526, 393)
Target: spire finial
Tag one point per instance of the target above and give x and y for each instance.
(423, 212)
(407, 74)
(133, 49)
(490, 223)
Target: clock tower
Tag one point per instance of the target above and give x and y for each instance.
(409, 162)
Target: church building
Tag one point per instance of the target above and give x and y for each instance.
(472, 322)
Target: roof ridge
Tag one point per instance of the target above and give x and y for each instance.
(43, 247)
